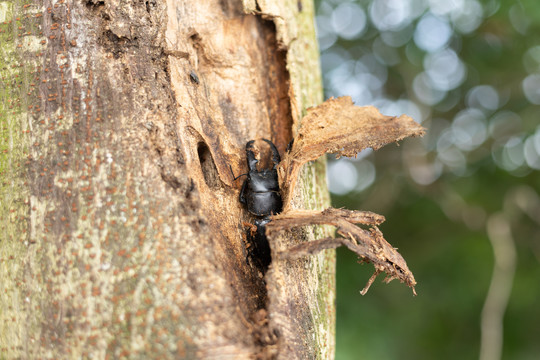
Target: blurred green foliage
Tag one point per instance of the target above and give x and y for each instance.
(469, 71)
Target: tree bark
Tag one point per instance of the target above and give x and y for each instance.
(121, 231)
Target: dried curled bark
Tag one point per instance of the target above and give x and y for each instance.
(369, 245)
(339, 127)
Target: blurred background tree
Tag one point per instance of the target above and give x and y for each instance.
(462, 204)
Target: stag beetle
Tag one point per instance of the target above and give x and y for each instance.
(260, 195)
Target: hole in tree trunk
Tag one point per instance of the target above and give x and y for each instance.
(208, 167)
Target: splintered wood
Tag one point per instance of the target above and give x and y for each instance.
(339, 127)
(369, 245)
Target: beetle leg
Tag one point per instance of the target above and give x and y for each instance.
(275, 154)
(250, 156)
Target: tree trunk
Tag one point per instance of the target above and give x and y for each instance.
(121, 231)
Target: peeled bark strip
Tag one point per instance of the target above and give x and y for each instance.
(339, 127)
(369, 245)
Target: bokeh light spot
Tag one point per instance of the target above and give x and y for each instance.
(349, 20)
(445, 70)
(425, 91)
(342, 176)
(531, 59)
(532, 151)
(468, 16)
(503, 124)
(531, 88)
(519, 19)
(390, 14)
(445, 8)
(469, 129)
(510, 156)
(483, 96)
(432, 33)
(366, 175)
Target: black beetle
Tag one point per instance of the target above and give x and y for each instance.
(260, 194)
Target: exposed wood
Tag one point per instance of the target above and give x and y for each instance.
(369, 245)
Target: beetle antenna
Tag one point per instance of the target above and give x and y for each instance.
(232, 173)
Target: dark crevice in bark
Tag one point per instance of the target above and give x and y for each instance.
(278, 102)
(94, 4)
(278, 107)
(208, 167)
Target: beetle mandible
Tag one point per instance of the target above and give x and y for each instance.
(260, 194)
